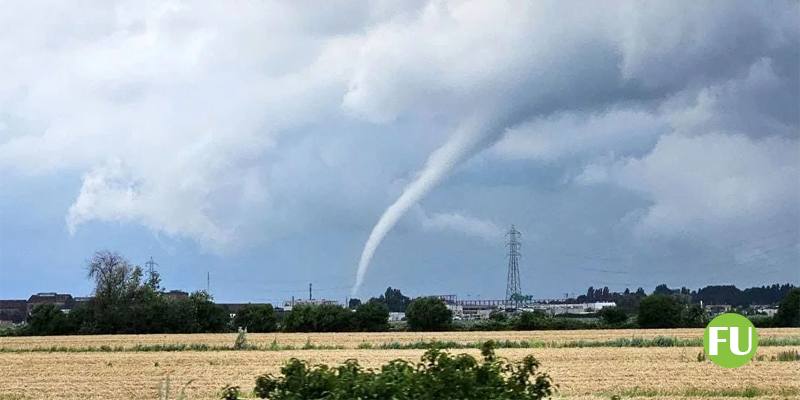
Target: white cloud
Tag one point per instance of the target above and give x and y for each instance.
(580, 135)
(713, 186)
(463, 224)
(194, 119)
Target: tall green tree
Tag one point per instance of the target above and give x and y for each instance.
(789, 310)
(256, 318)
(428, 314)
(660, 311)
(394, 300)
(371, 317)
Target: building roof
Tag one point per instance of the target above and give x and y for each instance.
(62, 300)
(13, 304)
(50, 297)
(13, 310)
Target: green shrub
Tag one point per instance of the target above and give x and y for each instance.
(438, 375)
(319, 318)
(613, 315)
(230, 393)
(528, 321)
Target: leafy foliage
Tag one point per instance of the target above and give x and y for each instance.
(660, 311)
(124, 303)
(394, 299)
(230, 393)
(528, 321)
(789, 310)
(428, 314)
(318, 318)
(613, 315)
(47, 319)
(256, 318)
(371, 317)
(438, 375)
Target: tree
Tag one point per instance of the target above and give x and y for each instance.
(318, 318)
(332, 318)
(498, 316)
(659, 311)
(47, 319)
(353, 303)
(428, 314)
(371, 317)
(113, 275)
(256, 318)
(299, 319)
(789, 310)
(394, 299)
(210, 317)
(613, 315)
(694, 316)
(663, 290)
(528, 321)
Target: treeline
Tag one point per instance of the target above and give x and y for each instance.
(125, 301)
(712, 294)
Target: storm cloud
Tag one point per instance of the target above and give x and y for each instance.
(236, 128)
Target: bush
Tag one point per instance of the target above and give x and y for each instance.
(428, 314)
(256, 318)
(694, 316)
(439, 375)
(230, 393)
(613, 315)
(47, 319)
(528, 321)
(660, 311)
(318, 318)
(371, 317)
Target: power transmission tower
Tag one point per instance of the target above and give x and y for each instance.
(151, 269)
(513, 289)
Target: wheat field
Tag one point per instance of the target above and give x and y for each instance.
(581, 373)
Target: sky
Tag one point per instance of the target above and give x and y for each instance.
(270, 145)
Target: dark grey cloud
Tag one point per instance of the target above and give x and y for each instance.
(237, 128)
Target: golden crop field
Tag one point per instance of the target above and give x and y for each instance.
(581, 373)
(353, 340)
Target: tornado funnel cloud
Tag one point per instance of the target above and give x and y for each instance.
(466, 141)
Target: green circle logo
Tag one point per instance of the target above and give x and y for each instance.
(730, 340)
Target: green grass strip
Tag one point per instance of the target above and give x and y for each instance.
(658, 341)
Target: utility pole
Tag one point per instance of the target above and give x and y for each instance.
(208, 282)
(310, 297)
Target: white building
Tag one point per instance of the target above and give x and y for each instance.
(572, 308)
(288, 304)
